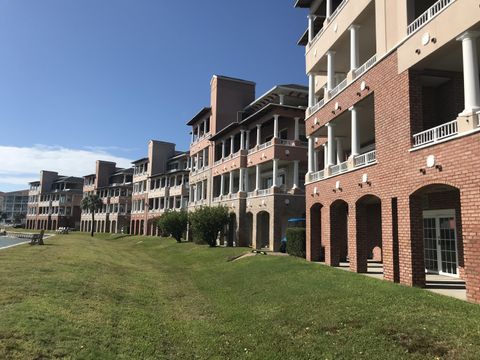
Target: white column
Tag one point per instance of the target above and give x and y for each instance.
(257, 177)
(198, 161)
(325, 155)
(295, 173)
(198, 131)
(241, 180)
(470, 71)
(340, 158)
(259, 134)
(329, 8)
(354, 47)
(204, 126)
(275, 173)
(204, 158)
(311, 150)
(331, 144)
(247, 180)
(315, 161)
(247, 140)
(230, 183)
(311, 27)
(232, 144)
(242, 139)
(330, 69)
(311, 90)
(275, 126)
(355, 131)
(297, 129)
(193, 136)
(223, 149)
(222, 181)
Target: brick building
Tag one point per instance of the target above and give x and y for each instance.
(393, 135)
(114, 186)
(160, 183)
(54, 201)
(250, 155)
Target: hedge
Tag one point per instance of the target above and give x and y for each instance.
(296, 242)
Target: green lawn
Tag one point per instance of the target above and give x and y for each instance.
(151, 298)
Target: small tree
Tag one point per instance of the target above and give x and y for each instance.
(207, 222)
(92, 203)
(173, 223)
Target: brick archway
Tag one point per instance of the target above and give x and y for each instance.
(315, 247)
(338, 233)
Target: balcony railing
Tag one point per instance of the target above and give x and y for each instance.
(428, 15)
(265, 192)
(365, 159)
(201, 137)
(339, 168)
(334, 14)
(436, 134)
(316, 107)
(316, 176)
(342, 85)
(363, 69)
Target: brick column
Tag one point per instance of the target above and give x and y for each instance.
(390, 240)
(326, 237)
(357, 238)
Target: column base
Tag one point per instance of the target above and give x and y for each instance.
(467, 122)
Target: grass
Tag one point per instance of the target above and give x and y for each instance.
(150, 298)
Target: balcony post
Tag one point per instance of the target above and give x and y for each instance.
(330, 70)
(311, 150)
(259, 134)
(339, 142)
(204, 127)
(331, 144)
(354, 47)
(247, 140)
(198, 161)
(297, 129)
(193, 136)
(222, 181)
(311, 27)
(232, 144)
(246, 181)
(223, 149)
(275, 173)
(275, 126)
(257, 177)
(230, 183)
(470, 72)
(355, 131)
(315, 161)
(242, 139)
(198, 132)
(311, 90)
(329, 8)
(295, 174)
(204, 158)
(325, 156)
(241, 180)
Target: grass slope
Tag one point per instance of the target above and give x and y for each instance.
(150, 298)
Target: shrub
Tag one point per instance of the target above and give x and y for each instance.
(173, 223)
(207, 222)
(296, 242)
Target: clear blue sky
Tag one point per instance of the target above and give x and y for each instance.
(112, 74)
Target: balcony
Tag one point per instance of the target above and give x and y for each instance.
(208, 135)
(436, 134)
(428, 15)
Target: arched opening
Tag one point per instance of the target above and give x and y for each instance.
(436, 234)
(368, 244)
(54, 224)
(141, 229)
(316, 250)
(249, 229)
(338, 234)
(232, 230)
(113, 227)
(263, 230)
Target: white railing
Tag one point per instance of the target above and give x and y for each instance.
(264, 192)
(316, 107)
(365, 159)
(342, 85)
(428, 15)
(217, 199)
(362, 69)
(251, 194)
(264, 145)
(435, 134)
(234, 196)
(200, 138)
(287, 142)
(334, 14)
(316, 176)
(218, 162)
(339, 168)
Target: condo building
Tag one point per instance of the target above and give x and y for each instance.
(394, 137)
(54, 201)
(160, 183)
(114, 187)
(250, 155)
(13, 206)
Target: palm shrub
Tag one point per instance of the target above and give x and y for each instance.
(92, 203)
(296, 242)
(173, 223)
(207, 222)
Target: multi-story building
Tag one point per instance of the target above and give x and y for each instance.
(114, 186)
(160, 183)
(54, 201)
(250, 155)
(14, 203)
(394, 98)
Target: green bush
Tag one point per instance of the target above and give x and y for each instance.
(207, 222)
(173, 223)
(296, 242)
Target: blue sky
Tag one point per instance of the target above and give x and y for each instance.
(81, 79)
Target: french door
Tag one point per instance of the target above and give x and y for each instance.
(440, 242)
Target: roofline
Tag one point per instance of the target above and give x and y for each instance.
(197, 116)
(234, 79)
(140, 160)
